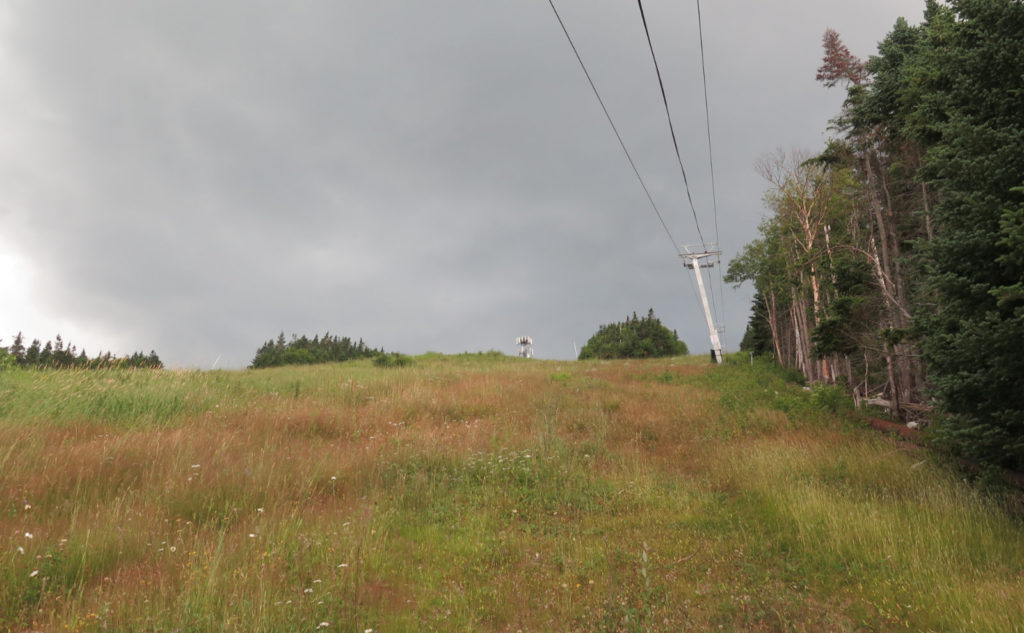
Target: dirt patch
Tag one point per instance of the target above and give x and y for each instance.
(907, 433)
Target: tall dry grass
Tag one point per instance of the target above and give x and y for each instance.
(480, 493)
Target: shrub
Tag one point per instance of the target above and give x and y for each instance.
(392, 359)
(834, 398)
(7, 361)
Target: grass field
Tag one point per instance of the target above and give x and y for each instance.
(483, 493)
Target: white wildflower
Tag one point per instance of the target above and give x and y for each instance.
(35, 572)
(28, 535)
(323, 625)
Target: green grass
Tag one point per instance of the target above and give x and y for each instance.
(483, 493)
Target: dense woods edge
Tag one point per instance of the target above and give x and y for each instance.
(893, 260)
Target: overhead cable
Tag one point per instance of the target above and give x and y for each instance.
(616, 130)
(707, 119)
(711, 159)
(668, 114)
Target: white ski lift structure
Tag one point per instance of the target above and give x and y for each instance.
(525, 344)
(695, 257)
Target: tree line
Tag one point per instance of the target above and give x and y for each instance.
(893, 260)
(57, 354)
(301, 350)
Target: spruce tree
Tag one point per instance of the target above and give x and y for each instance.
(17, 349)
(970, 77)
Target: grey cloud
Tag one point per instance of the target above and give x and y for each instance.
(196, 176)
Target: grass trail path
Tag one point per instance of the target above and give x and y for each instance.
(483, 493)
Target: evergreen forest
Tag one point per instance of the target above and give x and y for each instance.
(893, 258)
(302, 350)
(634, 338)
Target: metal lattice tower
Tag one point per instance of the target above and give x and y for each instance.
(525, 344)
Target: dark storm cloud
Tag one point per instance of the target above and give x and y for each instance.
(197, 176)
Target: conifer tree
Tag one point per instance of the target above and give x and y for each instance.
(17, 349)
(32, 353)
(970, 78)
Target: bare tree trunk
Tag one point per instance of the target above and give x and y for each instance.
(894, 390)
(867, 373)
(897, 361)
(876, 207)
(798, 360)
(814, 369)
(924, 200)
(803, 339)
(773, 324)
(822, 369)
(799, 336)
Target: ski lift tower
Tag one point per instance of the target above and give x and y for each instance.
(695, 257)
(525, 344)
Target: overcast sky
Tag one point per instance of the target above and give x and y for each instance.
(195, 177)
